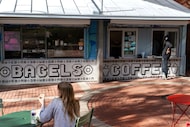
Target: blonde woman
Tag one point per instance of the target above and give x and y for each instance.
(63, 110)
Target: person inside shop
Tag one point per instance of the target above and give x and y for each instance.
(166, 53)
(63, 110)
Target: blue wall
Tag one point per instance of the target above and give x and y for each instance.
(1, 43)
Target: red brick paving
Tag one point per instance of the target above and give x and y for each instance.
(141, 104)
(14, 92)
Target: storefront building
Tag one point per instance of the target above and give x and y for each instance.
(186, 3)
(137, 54)
(87, 41)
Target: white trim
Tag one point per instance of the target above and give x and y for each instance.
(148, 22)
(44, 21)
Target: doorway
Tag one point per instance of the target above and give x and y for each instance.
(115, 43)
(157, 43)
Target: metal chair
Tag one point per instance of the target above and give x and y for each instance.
(85, 119)
(1, 106)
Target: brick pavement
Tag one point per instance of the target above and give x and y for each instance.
(132, 103)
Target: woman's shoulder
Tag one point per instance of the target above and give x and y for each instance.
(56, 100)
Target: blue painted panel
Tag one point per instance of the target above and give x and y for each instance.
(0, 37)
(92, 45)
(1, 44)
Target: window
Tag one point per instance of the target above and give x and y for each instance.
(158, 42)
(33, 42)
(122, 43)
(36, 41)
(65, 42)
(12, 44)
(129, 43)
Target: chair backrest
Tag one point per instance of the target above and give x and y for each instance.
(1, 106)
(85, 119)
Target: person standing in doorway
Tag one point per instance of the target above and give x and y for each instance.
(166, 53)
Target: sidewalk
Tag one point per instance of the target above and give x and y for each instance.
(135, 103)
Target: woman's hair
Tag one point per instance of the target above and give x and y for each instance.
(67, 95)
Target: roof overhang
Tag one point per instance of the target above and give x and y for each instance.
(145, 10)
(85, 19)
(43, 21)
(150, 22)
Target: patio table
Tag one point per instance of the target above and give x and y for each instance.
(16, 119)
(177, 100)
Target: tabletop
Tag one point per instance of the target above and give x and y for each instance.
(179, 99)
(16, 119)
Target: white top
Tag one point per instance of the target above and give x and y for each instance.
(55, 110)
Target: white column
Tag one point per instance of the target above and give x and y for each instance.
(182, 50)
(100, 50)
(1, 43)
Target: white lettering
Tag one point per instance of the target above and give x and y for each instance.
(29, 72)
(63, 71)
(41, 70)
(115, 70)
(77, 69)
(135, 68)
(53, 70)
(125, 69)
(156, 69)
(17, 71)
(145, 68)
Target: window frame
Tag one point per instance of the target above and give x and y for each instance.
(123, 30)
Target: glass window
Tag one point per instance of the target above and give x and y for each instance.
(65, 42)
(33, 41)
(122, 43)
(36, 41)
(129, 43)
(12, 45)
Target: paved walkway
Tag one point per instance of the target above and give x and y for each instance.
(135, 103)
